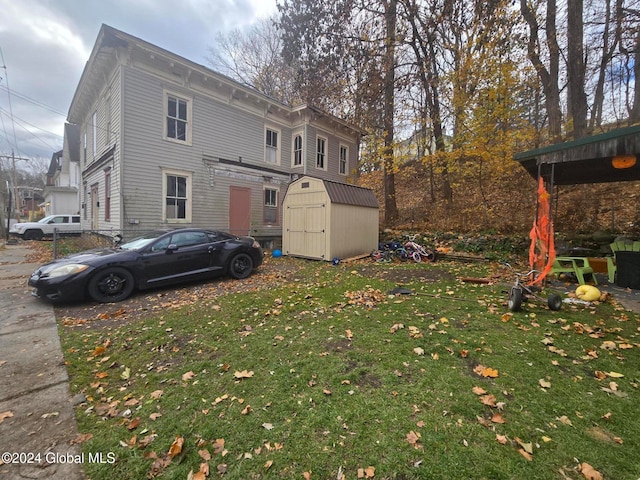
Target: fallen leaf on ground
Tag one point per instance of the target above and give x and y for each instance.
(81, 438)
(564, 419)
(7, 414)
(368, 472)
(413, 438)
(156, 394)
(608, 345)
(526, 446)
(133, 424)
(498, 418)
(188, 376)
(218, 446)
(489, 400)
(589, 472)
(176, 446)
(243, 374)
(525, 454)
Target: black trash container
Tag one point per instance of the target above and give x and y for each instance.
(628, 270)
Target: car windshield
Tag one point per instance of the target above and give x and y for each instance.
(46, 219)
(141, 241)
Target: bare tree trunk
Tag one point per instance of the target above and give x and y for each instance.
(634, 115)
(607, 53)
(390, 205)
(576, 96)
(548, 77)
(425, 52)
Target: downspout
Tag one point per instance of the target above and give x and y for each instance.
(304, 146)
(120, 150)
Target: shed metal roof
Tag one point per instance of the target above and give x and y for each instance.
(586, 160)
(348, 194)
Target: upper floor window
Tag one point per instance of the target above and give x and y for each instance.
(178, 118)
(94, 126)
(297, 150)
(272, 151)
(344, 159)
(177, 197)
(84, 148)
(321, 153)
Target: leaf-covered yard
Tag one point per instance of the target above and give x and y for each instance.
(324, 375)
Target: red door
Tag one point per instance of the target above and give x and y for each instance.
(239, 210)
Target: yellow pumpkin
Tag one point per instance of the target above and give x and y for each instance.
(588, 293)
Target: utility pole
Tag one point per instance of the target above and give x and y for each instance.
(14, 180)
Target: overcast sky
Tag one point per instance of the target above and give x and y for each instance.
(46, 43)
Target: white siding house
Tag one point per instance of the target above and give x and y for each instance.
(164, 141)
(63, 179)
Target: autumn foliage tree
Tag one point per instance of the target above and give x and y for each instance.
(452, 89)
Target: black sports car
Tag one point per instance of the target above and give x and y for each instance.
(156, 259)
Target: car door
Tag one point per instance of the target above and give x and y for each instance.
(181, 256)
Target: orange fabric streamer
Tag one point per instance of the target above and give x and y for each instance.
(542, 251)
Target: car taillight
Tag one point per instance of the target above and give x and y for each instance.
(255, 244)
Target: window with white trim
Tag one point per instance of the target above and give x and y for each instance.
(297, 150)
(177, 118)
(107, 195)
(344, 159)
(177, 196)
(321, 153)
(94, 126)
(271, 205)
(272, 149)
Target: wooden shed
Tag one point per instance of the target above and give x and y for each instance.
(324, 220)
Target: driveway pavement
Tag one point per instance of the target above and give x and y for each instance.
(37, 422)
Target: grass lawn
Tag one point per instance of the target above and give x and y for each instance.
(328, 377)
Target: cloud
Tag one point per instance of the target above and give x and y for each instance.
(45, 45)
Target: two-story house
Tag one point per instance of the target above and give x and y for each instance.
(63, 178)
(165, 142)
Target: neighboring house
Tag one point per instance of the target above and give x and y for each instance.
(61, 192)
(166, 142)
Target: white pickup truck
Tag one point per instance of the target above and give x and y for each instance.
(62, 224)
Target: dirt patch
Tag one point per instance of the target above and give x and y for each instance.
(142, 304)
(405, 275)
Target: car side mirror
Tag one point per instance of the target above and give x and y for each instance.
(172, 248)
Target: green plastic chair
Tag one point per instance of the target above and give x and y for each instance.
(578, 266)
(619, 246)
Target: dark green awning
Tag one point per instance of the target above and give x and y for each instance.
(586, 160)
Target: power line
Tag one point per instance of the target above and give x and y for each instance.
(6, 77)
(33, 101)
(20, 123)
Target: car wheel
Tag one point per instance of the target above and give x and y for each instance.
(240, 266)
(111, 285)
(33, 235)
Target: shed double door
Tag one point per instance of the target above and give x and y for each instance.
(307, 230)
